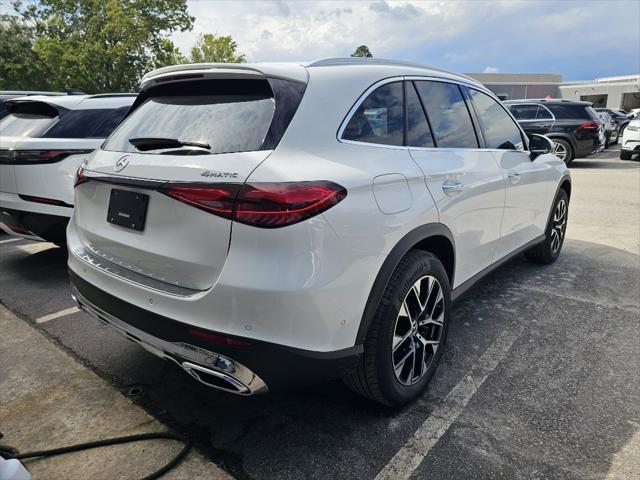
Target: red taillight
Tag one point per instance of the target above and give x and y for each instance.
(79, 177)
(589, 126)
(30, 157)
(212, 337)
(216, 199)
(266, 205)
(48, 201)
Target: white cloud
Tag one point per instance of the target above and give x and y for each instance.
(491, 70)
(508, 35)
(307, 30)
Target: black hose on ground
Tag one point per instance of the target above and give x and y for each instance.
(13, 453)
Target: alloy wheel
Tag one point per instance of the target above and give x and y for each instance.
(418, 330)
(560, 151)
(559, 225)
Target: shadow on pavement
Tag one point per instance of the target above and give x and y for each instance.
(561, 403)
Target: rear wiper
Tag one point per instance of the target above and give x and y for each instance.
(154, 143)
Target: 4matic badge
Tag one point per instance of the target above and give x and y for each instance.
(213, 173)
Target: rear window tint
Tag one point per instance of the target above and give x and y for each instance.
(523, 112)
(543, 114)
(418, 131)
(448, 114)
(227, 115)
(89, 123)
(379, 118)
(499, 129)
(564, 111)
(28, 119)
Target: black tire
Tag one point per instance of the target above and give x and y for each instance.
(625, 155)
(567, 147)
(548, 250)
(375, 377)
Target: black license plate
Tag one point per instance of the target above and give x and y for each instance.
(128, 209)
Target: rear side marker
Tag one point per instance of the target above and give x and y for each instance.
(45, 200)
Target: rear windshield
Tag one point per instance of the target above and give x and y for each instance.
(89, 123)
(29, 119)
(225, 115)
(563, 111)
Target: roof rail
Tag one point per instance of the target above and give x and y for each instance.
(110, 95)
(336, 61)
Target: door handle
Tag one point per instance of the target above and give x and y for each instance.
(451, 188)
(514, 177)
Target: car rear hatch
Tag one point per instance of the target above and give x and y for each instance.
(147, 205)
(25, 119)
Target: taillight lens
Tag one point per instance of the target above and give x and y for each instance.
(45, 200)
(80, 177)
(30, 157)
(265, 205)
(589, 126)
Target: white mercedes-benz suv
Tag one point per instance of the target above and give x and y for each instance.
(264, 225)
(43, 141)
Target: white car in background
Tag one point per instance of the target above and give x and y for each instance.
(43, 140)
(630, 140)
(264, 225)
(610, 129)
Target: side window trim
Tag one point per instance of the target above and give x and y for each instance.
(424, 110)
(528, 119)
(475, 118)
(405, 116)
(523, 136)
(553, 117)
(413, 78)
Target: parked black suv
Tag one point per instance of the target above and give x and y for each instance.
(573, 126)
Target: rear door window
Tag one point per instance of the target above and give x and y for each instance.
(379, 118)
(28, 119)
(499, 129)
(523, 112)
(448, 114)
(87, 123)
(418, 131)
(543, 113)
(225, 115)
(567, 111)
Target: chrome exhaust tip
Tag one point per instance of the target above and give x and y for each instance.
(220, 372)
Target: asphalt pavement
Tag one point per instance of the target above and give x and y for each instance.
(540, 377)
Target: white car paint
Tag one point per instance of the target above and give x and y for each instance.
(631, 137)
(306, 285)
(48, 180)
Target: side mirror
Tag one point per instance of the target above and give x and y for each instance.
(539, 145)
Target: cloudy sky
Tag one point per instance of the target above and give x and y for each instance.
(580, 39)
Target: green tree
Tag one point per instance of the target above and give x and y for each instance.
(210, 48)
(20, 67)
(362, 51)
(104, 45)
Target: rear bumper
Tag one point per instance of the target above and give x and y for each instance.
(249, 369)
(631, 145)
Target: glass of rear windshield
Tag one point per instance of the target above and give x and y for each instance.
(30, 119)
(224, 115)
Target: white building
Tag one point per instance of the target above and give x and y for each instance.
(612, 92)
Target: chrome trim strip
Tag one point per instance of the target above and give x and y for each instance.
(384, 81)
(108, 266)
(189, 357)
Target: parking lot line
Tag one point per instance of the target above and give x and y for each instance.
(409, 457)
(9, 240)
(61, 313)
